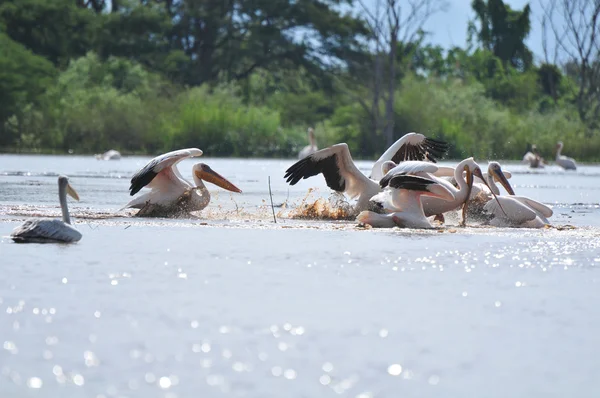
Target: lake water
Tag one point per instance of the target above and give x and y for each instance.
(231, 304)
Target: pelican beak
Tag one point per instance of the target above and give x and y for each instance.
(501, 178)
(477, 172)
(209, 175)
(72, 192)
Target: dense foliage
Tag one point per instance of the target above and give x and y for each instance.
(246, 78)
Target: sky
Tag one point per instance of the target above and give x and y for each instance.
(450, 28)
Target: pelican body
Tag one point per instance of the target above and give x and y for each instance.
(515, 211)
(563, 161)
(342, 175)
(51, 231)
(533, 158)
(311, 148)
(406, 208)
(109, 155)
(170, 194)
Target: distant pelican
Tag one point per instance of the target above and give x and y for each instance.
(405, 196)
(517, 211)
(109, 155)
(51, 231)
(312, 147)
(565, 162)
(533, 158)
(170, 194)
(342, 175)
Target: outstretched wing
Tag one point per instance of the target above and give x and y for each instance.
(336, 165)
(147, 173)
(411, 146)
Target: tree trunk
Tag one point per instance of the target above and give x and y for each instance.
(389, 106)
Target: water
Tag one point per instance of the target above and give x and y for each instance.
(231, 304)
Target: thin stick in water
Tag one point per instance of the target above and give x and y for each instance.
(272, 207)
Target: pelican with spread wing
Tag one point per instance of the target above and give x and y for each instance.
(170, 194)
(342, 175)
(51, 231)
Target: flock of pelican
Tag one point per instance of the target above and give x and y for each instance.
(405, 188)
(535, 160)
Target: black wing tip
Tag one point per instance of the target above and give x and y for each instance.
(400, 181)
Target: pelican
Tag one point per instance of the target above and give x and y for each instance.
(342, 175)
(170, 194)
(406, 192)
(109, 155)
(533, 158)
(312, 147)
(436, 205)
(518, 211)
(412, 146)
(565, 162)
(50, 231)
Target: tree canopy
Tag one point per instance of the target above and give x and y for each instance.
(247, 77)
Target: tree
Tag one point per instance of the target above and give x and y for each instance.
(57, 30)
(575, 29)
(503, 31)
(24, 76)
(393, 26)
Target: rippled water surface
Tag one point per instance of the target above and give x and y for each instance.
(231, 304)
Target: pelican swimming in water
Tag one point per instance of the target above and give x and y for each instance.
(342, 175)
(312, 147)
(47, 230)
(109, 155)
(533, 158)
(517, 211)
(405, 192)
(170, 194)
(563, 161)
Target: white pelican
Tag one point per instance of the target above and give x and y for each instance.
(411, 146)
(170, 194)
(406, 192)
(436, 205)
(342, 175)
(533, 158)
(311, 148)
(109, 155)
(51, 231)
(517, 211)
(563, 161)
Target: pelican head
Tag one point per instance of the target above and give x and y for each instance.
(559, 145)
(387, 166)
(495, 170)
(63, 184)
(203, 172)
(472, 169)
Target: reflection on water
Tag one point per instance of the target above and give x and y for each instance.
(232, 304)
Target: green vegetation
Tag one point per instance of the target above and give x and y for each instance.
(246, 78)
